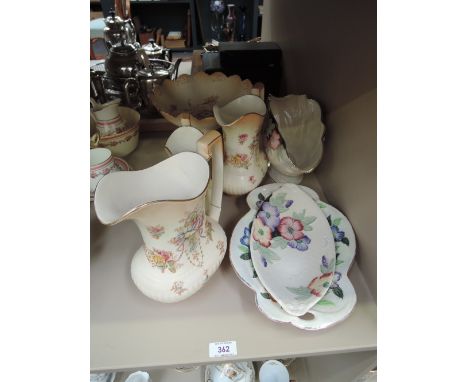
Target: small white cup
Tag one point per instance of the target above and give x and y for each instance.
(273, 371)
(102, 163)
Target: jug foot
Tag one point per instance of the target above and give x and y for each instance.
(241, 185)
(278, 177)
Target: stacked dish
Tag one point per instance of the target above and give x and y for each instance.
(295, 251)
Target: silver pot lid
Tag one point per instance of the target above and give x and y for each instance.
(151, 47)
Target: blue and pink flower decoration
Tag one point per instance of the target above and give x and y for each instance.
(269, 225)
(272, 228)
(338, 234)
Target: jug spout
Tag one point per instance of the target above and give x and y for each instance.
(182, 246)
(123, 195)
(233, 112)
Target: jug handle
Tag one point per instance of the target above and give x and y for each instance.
(94, 140)
(93, 102)
(211, 146)
(185, 119)
(259, 90)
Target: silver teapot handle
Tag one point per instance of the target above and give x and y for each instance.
(175, 71)
(131, 90)
(143, 58)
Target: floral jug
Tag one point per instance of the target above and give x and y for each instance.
(182, 245)
(107, 117)
(245, 164)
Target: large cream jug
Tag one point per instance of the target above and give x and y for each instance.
(182, 245)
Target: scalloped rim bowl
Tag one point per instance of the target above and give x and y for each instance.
(192, 97)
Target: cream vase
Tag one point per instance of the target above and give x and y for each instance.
(245, 164)
(182, 246)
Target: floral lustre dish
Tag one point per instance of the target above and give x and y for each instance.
(193, 97)
(291, 242)
(340, 299)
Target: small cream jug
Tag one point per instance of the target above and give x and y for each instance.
(183, 246)
(107, 117)
(245, 164)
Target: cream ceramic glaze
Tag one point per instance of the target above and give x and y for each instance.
(107, 117)
(193, 97)
(123, 143)
(245, 164)
(189, 139)
(182, 246)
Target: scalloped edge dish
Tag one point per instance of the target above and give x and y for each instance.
(333, 309)
(292, 249)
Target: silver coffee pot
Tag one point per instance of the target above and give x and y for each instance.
(118, 30)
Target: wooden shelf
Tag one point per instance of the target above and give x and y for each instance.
(130, 331)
